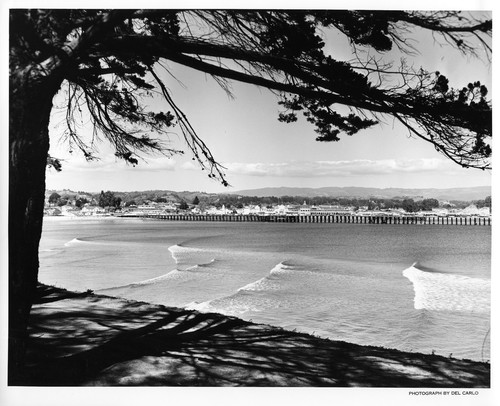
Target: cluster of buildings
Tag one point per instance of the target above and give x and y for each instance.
(327, 210)
(152, 208)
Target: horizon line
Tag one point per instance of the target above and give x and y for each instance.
(281, 187)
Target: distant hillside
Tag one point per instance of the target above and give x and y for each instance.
(141, 196)
(472, 193)
(464, 194)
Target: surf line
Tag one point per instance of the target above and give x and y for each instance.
(448, 292)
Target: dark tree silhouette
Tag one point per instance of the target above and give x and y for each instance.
(54, 197)
(409, 205)
(108, 61)
(81, 201)
(487, 201)
(108, 199)
(428, 204)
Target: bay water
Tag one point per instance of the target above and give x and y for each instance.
(421, 288)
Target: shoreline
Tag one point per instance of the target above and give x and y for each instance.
(85, 339)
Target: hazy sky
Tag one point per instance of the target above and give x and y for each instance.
(245, 136)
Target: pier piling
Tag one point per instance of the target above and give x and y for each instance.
(419, 220)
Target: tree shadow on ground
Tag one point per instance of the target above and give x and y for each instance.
(82, 339)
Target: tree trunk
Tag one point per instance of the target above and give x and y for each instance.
(30, 105)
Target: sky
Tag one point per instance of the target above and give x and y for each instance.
(245, 136)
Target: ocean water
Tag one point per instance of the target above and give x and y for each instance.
(420, 288)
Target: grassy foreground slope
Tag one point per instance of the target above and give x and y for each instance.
(86, 339)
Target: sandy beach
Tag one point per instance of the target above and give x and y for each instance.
(82, 339)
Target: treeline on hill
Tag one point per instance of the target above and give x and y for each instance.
(186, 199)
(372, 203)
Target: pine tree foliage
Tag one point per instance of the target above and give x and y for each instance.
(111, 61)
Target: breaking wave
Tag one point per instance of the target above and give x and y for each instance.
(76, 241)
(266, 283)
(448, 292)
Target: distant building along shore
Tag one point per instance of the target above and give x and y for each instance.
(280, 213)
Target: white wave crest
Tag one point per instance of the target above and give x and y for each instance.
(230, 306)
(73, 242)
(449, 292)
(281, 268)
(266, 283)
(174, 274)
(180, 253)
(78, 241)
(255, 286)
(203, 307)
(202, 266)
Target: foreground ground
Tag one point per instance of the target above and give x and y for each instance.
(85, 339)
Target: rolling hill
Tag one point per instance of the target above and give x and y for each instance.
(470, 193)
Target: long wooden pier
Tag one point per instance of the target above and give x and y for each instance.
(352, 219)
